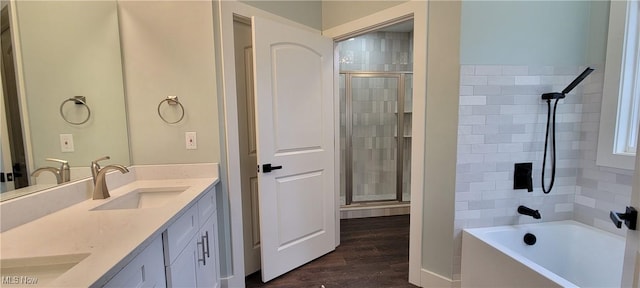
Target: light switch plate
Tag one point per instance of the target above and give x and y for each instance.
(191, 140)
(66, 143)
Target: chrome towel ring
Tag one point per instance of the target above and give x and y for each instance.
(78, 100)
(171, 100)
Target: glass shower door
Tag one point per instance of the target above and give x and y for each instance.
(373, 135)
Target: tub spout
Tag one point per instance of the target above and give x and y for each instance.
(524, 210)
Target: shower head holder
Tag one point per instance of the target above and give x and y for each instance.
(553, 95)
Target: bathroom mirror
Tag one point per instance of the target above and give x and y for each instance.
(60, 50)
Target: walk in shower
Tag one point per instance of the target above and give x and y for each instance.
(375, 119)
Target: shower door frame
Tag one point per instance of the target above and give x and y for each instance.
(400, 135)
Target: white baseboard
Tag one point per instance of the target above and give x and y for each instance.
(231, 282)
(429, 279)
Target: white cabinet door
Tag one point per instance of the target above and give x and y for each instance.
(182, 272)
(146, 270)
(207, 271)
(293, 84)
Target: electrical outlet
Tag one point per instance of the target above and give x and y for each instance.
(66, 143)
(191, 141)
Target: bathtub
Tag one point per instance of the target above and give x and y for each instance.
(566, 254)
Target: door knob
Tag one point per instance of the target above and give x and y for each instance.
(630, 218)
(266, 168)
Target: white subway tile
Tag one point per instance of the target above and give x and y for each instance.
(525, 118)
(510, 147)
(468, 214)
(522, 138)
(563, 207)
(465, 110)
(527, 80)
(504, 185)
(488, 70)
(487, 90)
(462, 205)
(498, 194)
(484, 148)
(465, 129)
(470, 158)
(483, 186)
(468, 196)
(496, 176)
(467, 69)
(473, 80)
(501, 80)
(585, 201)
(473, 100)
(470, 139)
(497, 157)
(485, 129)
(472, 119)
(515, 70)
(466, 90)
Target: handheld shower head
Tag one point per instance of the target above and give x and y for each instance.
(573, 84)
(577, 81)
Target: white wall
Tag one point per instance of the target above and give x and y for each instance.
(168, 49)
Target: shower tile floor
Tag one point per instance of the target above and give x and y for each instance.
(374, 252)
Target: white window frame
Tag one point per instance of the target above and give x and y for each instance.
(619, 113)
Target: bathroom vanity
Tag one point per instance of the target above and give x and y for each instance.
(159, 228)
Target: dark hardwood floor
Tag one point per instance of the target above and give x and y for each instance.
(374, 252)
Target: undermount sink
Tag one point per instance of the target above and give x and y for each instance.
(142, 198)
(37, 270)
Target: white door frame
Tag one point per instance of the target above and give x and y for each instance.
(227, 9)
(418, 10)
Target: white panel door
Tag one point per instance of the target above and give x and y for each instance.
(631, 268)
(293, 82)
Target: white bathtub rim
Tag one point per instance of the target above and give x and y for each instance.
(479, 232)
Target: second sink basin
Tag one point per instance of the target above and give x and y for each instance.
(37, 270)
(142, 198)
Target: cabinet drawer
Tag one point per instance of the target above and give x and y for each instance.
(146, 270)
(207, 205)
(179, 234)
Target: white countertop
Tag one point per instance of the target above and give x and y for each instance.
(111, 237)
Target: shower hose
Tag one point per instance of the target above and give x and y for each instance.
(553, 146)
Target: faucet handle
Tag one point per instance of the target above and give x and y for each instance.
(64, 163)
(100, 159)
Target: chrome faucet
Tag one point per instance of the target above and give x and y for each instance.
(100, 190)
(63, 174)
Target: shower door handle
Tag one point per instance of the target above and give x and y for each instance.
(266, 168)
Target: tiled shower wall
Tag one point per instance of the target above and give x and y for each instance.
(502, 121)
(599, 189)
(377, 51)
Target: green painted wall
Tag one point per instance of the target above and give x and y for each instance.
(306, 12)
(335, 13)
(526, 32)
